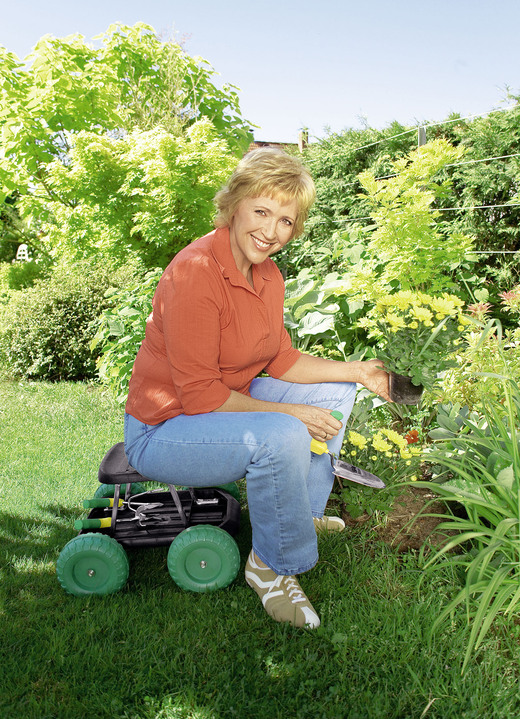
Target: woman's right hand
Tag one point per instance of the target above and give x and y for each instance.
(320, 423)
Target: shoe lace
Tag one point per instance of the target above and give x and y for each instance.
(294, 590)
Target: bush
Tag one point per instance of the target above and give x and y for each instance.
(17, 275)
(120, 332)
(46, 330)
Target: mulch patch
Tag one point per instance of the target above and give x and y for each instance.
(408, 526)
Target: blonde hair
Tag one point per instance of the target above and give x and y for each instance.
(267, 172)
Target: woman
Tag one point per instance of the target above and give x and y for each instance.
(197, 412)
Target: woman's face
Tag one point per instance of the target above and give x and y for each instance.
(260, 227)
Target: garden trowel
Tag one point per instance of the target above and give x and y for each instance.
(347, 471)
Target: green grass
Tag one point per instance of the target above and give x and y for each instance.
(153, 651)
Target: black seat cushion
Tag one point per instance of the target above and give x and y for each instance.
(114, 468)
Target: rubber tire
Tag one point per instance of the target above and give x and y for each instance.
(107, 490)
(97, 552)
(203, 543)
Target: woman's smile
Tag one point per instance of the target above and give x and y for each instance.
(260, 227)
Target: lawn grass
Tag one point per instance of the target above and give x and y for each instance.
(153, 651)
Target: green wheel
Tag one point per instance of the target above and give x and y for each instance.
(203, 558)
(92, 564)
(107, 490)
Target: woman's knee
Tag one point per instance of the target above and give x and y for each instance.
(286, 434)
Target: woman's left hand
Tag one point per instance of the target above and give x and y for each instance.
(374, 377)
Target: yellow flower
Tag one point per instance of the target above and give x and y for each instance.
(422, 315)
(357, 440)
(353, 453)
(394, 437)
(403, 299)
(413, 325)
(379, 444)
(424, 298)
(413, 478)
(395, 321)
(443, 306)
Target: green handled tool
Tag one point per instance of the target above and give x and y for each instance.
(343, 469)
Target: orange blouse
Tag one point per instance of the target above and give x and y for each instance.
(209, 333)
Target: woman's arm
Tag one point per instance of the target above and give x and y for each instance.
(319, 422)
(309, 369)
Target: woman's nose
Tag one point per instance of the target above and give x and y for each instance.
(269, 229)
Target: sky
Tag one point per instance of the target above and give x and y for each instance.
(324, 65)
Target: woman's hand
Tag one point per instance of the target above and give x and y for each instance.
(374, 378)
(320, 424)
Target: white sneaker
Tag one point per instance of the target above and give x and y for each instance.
(282, 596)
(328, 524)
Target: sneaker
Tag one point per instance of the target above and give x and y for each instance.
(328, 524)
(282, 596)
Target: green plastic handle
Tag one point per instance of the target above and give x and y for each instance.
(80, 524)
(100, 502)
(97, 502)
(337, 415)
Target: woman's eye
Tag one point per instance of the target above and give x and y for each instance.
(260, 212)
(287, 222)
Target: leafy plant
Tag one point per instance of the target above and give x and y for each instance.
(483, 458)
(148, 194)
(121, 330)
(131, 81)
(407, 244)
(416, 333)
(45, 330)
(390, 456)
(310, 307)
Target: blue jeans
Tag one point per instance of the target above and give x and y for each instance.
(286, 484)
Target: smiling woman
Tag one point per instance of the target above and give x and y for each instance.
(198, 414)
(260, 227)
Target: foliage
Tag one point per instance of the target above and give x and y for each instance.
(120, 332)
(487, 349)
(309, 308)
(319, 314)
(490, 185)
(385, 453)
(148, 194)
(45, 330)
(416, 333)
(407, 245)
(336, 162)
(17, 275)
(132, 80)
(483, 457)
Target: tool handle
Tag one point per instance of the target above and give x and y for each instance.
(321, 447)
(100, 502)
(92, 523)
(318, 447)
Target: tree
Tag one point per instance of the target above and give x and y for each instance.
(67, 87)
(148, 194)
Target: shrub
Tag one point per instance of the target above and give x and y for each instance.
(481, 451)
(46, 330)
(120, 331)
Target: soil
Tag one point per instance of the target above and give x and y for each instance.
(408, 524)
